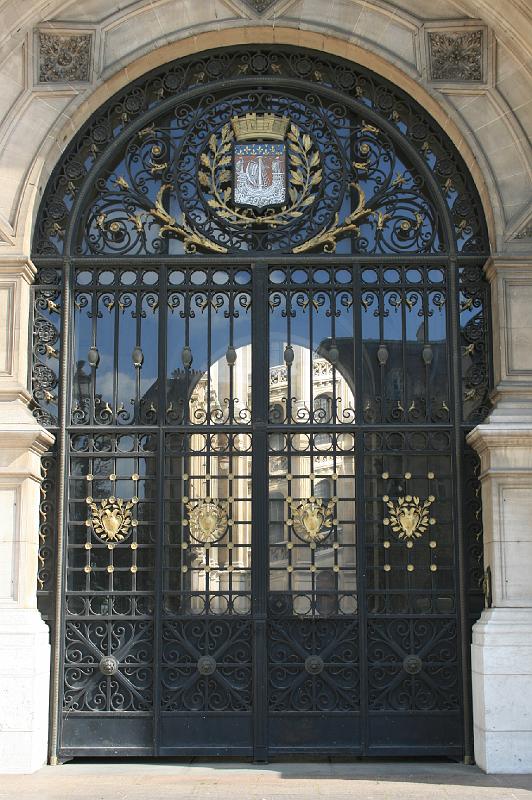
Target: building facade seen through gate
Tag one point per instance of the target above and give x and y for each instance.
(260, 336)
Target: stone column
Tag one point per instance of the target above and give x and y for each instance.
(502, 638)
(24, 637)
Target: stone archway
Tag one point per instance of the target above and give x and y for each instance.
(510, 276)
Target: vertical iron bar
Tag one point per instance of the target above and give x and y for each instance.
(259, 500)
(465, 654)
(94, 336)
(116, 350)
(358, 391)
(312, 416)
(65, 376)
(159, 515)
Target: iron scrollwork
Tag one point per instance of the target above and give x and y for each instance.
(391, 209)
(396, 214)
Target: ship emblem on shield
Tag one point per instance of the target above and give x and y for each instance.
(259, 160)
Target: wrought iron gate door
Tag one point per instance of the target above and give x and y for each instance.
(272, 567)
(267, 305)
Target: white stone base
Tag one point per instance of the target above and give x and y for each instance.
(24, 689)
(502, 690)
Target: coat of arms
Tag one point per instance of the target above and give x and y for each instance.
(207, 519)
(313, 519)
(275, 176)
(259, 160)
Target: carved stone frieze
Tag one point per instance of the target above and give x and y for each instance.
(64, 57)
(259, 5)
(524, 233)
(456, 55)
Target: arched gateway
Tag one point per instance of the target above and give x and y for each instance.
(260, 336)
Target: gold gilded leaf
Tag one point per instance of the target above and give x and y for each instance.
(205, 160)
(294, 130)
(307, 142)
(225, 148)
(308, 200)
(292, 191)
(225, 176)
(213, 143)
(226, 131)
(296, 213)
(296, 178)
(212, 203)
(314, 159)
(227, 194)
(225, 161)
(295, 160)
(316, 178)
(204, 179)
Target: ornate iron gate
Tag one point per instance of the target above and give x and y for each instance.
(271, 532)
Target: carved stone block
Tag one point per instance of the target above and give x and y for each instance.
(64, 57)
(525, 232)
(456, 55)
(259, 5)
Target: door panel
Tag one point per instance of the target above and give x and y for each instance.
(256, 563)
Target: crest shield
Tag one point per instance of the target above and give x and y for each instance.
(259, 174)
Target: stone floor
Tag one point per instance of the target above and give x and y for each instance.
(296, 780)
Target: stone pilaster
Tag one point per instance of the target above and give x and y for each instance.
(24, 638)
(502, 638)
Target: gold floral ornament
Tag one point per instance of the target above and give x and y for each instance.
(313, 519)
(191, 237)
(111, 519)
(409, 516)
(304, 177)
(208, 519)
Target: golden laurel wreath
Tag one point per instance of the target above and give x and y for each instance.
(313, 520)
(111, 519)
(208, 519)
(409, 517)
(305, 175)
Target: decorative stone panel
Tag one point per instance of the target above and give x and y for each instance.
(259, 5)
(456, 55)
(524, 233)
(64, 57)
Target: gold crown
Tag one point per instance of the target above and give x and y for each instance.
(262, 126)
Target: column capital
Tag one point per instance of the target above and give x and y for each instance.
(505, 448)
(16, 276)
(17, 266)
(499, 264)
(24, 441)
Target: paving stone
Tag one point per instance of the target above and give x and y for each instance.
(295, 780)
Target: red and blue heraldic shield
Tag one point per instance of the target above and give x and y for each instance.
(259, 174)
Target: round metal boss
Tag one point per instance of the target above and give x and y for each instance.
(314, 665)
(206, 665)
(412, 665)
(108, 665)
